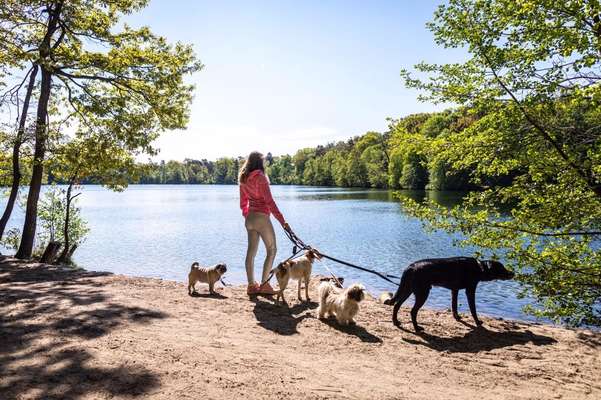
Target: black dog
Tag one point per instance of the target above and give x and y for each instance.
(454, 273)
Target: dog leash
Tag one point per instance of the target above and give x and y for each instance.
(298, 243)
(295, 253)
(333, 276)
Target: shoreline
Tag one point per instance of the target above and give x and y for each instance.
(80, 334)
(370, 295)
(409, 302)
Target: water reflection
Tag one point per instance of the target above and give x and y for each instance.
(444, 198)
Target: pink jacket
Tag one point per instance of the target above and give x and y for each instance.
(255, 195)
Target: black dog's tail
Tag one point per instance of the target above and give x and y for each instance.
(404, 290)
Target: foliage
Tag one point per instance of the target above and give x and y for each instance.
(529, 136)
(11, 239)
(51, 214)
(92, 159)
(373, 160)
(105, 78)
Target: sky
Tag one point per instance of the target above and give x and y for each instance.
(284, 75)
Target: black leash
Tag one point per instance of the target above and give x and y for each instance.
(299, 244)
(348, 264)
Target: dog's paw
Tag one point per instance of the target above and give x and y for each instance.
(479, 323)
(457, 317)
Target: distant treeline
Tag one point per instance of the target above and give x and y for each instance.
(395, 159)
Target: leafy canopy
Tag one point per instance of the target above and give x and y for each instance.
(532, 84)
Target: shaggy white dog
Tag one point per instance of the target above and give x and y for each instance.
(343, 303)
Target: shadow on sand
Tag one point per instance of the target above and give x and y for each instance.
(355, 330)
(479, 339)
(280, 319)
(284, 320)
(53, 311)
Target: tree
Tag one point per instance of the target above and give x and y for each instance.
(14, 57)
(281, 170)
(124, 84)
(61, 221)
(93, 159)
(18, 141)
(375, 158)
(299, 159)
(226, 171)
(533, 78)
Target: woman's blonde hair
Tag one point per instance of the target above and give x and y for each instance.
(252, 163)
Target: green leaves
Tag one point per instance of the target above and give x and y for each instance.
(93, 159)
(51, 214)
(118, 87)
(124, 84)
(533, 83)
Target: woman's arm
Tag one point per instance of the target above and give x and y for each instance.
(266, 191)
(243, 202)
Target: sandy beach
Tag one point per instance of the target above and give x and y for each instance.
(90, 335)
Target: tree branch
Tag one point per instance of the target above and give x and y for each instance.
(593, 186)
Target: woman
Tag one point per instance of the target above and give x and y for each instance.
(257, 204)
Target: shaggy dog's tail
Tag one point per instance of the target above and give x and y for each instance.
(324, 290)
(404, 289)
(195, 265)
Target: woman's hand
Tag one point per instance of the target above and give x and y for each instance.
(286, 227)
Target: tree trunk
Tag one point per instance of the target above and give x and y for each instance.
(64, 257)
(31, 213)
(41, 129)
(71, 251)
(50, 252)
(14, 189)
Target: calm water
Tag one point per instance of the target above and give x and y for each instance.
(159, 230)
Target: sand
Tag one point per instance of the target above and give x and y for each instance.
(88, 335)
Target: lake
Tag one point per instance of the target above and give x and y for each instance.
(159, 230)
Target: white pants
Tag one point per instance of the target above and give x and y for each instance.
(258, 225)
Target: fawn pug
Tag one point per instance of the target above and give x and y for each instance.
(343, 303)
(299, 269)
(205, 275)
